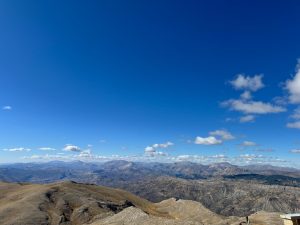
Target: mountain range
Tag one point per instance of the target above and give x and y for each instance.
(225, 189)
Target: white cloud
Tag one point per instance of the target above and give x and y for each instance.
(252, 107)
(153, 148)
(245, 104)
(246, 95)
(248, 144)
(47, 149)
(293, 86)
(295, 151)
(6, 107)
(296, 116)
(20, 149)
(211, 140)
(247, 119)
(215, 138)
(150, 149)
(72, 148)
(225, 135)
(295, 125)
(243, 82)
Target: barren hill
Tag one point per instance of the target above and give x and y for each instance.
(64, 203)
(70, 203)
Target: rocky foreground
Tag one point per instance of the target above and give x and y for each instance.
(70, 203)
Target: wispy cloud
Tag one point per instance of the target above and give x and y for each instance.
(295, 125)
(223, 134)
(158, 154)
(281, 100)
(297, 151)
(47, 149)
(247, 119)
(248, 144)
(48, 157)
(220, 156)
(7, 107)
(19, 149)
(252, 107)
(250, 157)
(264, 150)
(296, 114)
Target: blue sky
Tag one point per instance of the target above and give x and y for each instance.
(205, 81)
